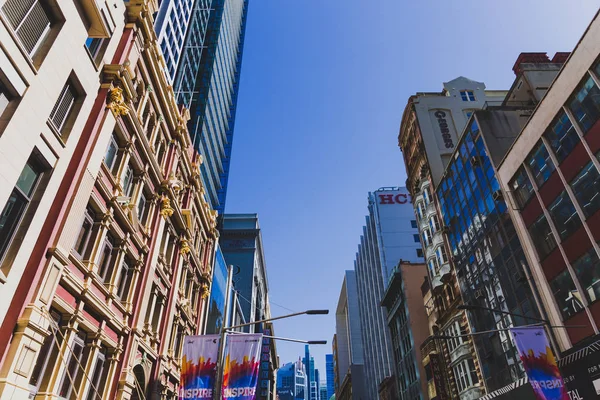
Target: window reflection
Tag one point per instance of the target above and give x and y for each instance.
(585, 104)
(542, 237)
(587, 270)
(562, 136)
(564, 215)
(540, 164)
(566, 295)
(586, 186)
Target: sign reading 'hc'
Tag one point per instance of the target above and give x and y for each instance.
(400, 198)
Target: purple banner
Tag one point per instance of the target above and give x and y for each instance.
(199, 367)
(242, 361)
(539, 363)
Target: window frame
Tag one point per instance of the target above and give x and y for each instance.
(36, 166)
(84, 241)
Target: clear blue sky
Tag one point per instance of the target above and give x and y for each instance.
(324, 84)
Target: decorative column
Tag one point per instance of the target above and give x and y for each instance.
(103, 228)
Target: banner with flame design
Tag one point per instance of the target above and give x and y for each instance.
(242, 361)
(539, 363)
(199, 367)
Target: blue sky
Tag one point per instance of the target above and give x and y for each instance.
(323, 87)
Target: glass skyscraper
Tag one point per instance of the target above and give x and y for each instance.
(488, 256)
(207, 83)
(202, 42)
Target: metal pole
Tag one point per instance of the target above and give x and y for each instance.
(308, 312)
(226, 322)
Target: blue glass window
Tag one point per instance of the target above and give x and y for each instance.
(467, 95)
(542, 237)
(420, 253)
(521, 187)
(564, 215)
(562, 136)
(586, 187)
(585, 104)
(587, 270)
(540, 164)
(413, 223)
(416, 238)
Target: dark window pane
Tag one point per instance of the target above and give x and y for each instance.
(542, 237)
(587, 270)
(110, 158)
(10, 218)
(106, 260)
(540, 164)
(75, 358)
(586, 186)
(48, 347)
(142, 209)
(28, 178)
(562, 136)
(564, 215)
(522, 188)
(566, 295)
(128, 181)
(585, 104)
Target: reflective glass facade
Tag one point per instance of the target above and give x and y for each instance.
(487, 254)
(207, 83)
(171, 26)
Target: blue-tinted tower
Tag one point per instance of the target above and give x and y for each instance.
(207, 82)
(330, 374)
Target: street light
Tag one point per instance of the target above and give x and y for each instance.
(229, 329)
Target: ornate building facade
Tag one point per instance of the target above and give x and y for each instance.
(122, 269)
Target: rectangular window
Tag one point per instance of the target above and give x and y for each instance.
(98, 378)
(542, 237)
(441, 255)
(124, 280)
(106, 260)
(420, 253)
(427, 195)
(5, 97)
(562, 136)
(585, 104)
(142, 209)
(566, 295)
(20, 198)
(110, 158)
(95, 46)
(521, 187)
(413, 223)
(29, 20)
(416, 238)
(83, 242)
(426, 237)
(564, 215)
(467, 95)
(586, 187)
(63, 107)
(587, 270)
(73, 359)
(46, 351)
(434, 224)
(128, 181)
(540, 164)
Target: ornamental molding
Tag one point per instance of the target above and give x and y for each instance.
(116, 102)
(165, 207)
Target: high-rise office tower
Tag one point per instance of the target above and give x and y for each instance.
(390, 235)
(329, 368)
(207, 82)
(348, 343)
(171, 25)
(291, 381)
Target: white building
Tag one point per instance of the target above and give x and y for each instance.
(390, 235)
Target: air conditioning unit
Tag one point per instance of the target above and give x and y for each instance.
(475, 161)
(497, 195)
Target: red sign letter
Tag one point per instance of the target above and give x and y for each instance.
(386, 199)
(401, 198)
